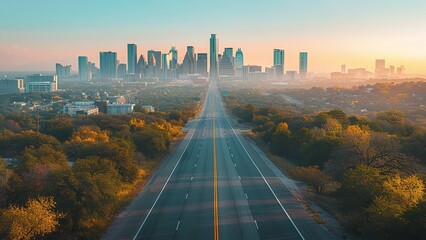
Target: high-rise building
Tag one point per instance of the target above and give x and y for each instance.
(108, 65)
(226, 66)
(303, 65)
(239, 63)
(174, 59)
(40, 83)
(83, 68)
(380, 66)
(131, 58)
(230, 53)
(165, 59)
(121, 70)
(141, 65)
(202, 64)
(189, 62)
(279, 64)
(154, 59)
(63, 70)
(214, 44)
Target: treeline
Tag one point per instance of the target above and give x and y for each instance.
(375, 168)
(70, 175)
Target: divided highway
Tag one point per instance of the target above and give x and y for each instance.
(215, 185)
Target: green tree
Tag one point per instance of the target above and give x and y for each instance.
(314, 177)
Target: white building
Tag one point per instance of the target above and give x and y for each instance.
(81, 108)
(120, 108)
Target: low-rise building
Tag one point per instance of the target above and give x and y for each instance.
(148, 108)
(81, 108)
(40, 83)
(120, 108)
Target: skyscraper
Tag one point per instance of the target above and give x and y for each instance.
(83, 68)
(239, 63)
(380, 66)
(108, 65)
(230, 53)
(63, 70)
(121, 70)
(154, 56)
(140, 69)
(303, 65)
(174, 59)
(189, 62)
(131, 58)
(214, 42)
(279, 64)
(226, 65)
(202, 64)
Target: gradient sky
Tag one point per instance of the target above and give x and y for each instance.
(34, 35)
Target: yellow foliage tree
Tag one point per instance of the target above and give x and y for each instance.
(137, 123)
(90, 134)
(36, 218)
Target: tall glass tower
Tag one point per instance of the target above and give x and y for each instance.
(279, 64)
(174, 60)
(239, 63)
(214, 42)
(108, 65)
(303, 64)
(131, 58)
(83, 68)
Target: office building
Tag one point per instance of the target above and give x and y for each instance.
(83, 68)
(202, 64)
(154, 59)
(214, 45)
(108, 65)
(303, 65)
(141, 65)
(120, 108)
(239, 63)
(121, 70)
(230, 53)
(174, 58)
(226, 66)
(63, 70)
(40, 83)
(279, 64)
(80, 108)
(132, 55)
(11, 86)
(380, 67)
(189, 62)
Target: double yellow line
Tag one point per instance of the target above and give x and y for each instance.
(216, 210)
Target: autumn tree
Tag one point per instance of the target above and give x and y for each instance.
(36, 219)
(314, 177)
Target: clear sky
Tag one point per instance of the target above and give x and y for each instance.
(35, 34)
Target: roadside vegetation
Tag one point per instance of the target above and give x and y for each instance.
(372, 167)
(70, 175)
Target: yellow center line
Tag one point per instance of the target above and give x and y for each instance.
(216, 211)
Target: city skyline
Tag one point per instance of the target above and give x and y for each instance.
(333, 32)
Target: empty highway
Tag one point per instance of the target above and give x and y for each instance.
(215, 185)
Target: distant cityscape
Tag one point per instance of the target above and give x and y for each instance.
(158, 66)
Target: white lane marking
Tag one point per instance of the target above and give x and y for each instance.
(177, 226)
(165, 184)
(198, 156)
(235, 164)
(232, 155)
(192, 178)
(255, 222)
(246, 195)
(229, 147)
(239, 177)
(186, 196)
(195, 165)
(264, 179)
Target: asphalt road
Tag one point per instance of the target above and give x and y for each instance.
(215, 185)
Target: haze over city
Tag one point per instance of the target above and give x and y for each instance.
(354, 33)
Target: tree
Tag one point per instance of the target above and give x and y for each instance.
(151, 141)
(90, 134)
(314, 177)
(36, 219)
(5, 175)
(359, 187)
